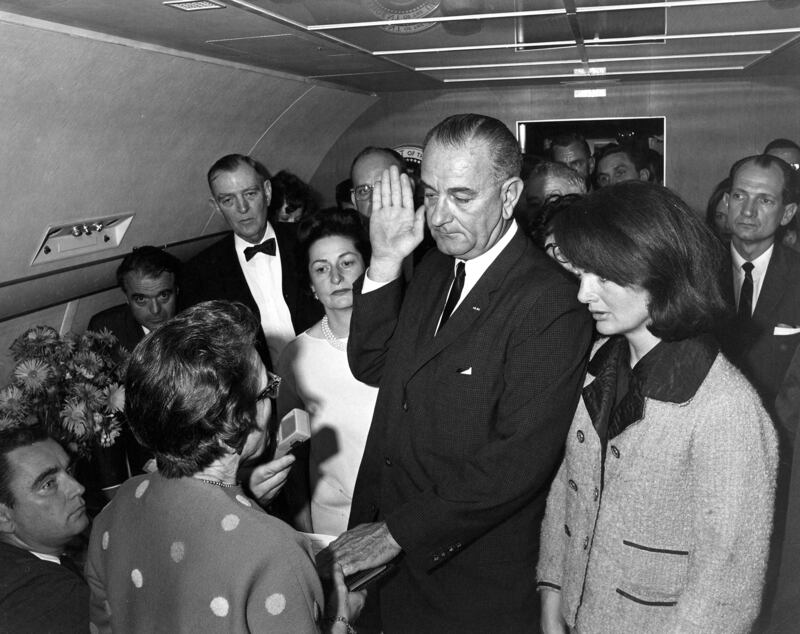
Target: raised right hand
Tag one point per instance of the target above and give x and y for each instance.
(395, 228)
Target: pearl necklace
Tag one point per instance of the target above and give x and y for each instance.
(339, 344)
(217, 483)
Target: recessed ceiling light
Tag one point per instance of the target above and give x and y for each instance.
(194, 5)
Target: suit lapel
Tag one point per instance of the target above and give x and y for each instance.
(476, 303)
(773, 287)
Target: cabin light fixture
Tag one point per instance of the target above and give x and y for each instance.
(194, 5)
(81, 237)
(592, 71)
(464, 80)
(589, 93)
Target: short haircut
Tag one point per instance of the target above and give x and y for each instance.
(232, 162)
(781, 144)
(286, 187)
(639, 158)
(192, 383)
(542, 224)
(570, 138)
(12, 438)
(388, 152)
(765, 161)
(558, 170)
(148, 261)
(642, 234)
(324, 223)
(460, 129)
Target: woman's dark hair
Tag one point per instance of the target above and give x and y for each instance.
(642, 234)
(324, 223)
(722, 188)
(286, 187)
(191, 384)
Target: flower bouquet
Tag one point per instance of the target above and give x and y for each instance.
(72, 385)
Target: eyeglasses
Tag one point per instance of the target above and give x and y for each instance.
(362, 192)
(557, 255)
(272, 389)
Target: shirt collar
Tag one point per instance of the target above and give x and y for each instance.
(759, 264)
(241, 245)
(477, 266)
(45, 557)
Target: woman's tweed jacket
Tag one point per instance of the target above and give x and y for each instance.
(676, 539)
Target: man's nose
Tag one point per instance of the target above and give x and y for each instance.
(74, 487)
(154, 306)
(438, 212)
(749, 207)
(242, 206)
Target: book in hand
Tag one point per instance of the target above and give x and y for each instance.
(363, 578)
(293, 430)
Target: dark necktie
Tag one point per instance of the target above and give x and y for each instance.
(455, 294)
(746, 296)
(267, 247)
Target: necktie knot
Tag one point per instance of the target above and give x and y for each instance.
(748, 267)
(267, 247)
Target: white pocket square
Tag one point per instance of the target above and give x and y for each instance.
(783, 330)
(467, 371)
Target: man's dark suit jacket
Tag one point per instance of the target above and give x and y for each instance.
(468, 430)
(763, 356)
(119, 320)
(214, 273)
(40, 596)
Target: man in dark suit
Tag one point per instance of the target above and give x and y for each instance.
(41, 510)
(763, 284)
(148, 276)
(473, 408)
(764, 280)
(252, 265)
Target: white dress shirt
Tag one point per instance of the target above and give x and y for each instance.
(473, 269)
(760, 265)
(264, 279)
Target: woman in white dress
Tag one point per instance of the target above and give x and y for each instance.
(333, 247)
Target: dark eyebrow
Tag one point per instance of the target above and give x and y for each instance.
(43, 476)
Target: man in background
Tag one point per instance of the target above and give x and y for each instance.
(785, 150)
(41, 511)
(367, 168)
(620, 163)
(250, 265)
(572, 150)
(148, 277)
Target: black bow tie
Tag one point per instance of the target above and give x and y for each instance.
(267, 247)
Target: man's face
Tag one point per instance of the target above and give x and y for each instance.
(48, 506)
(366, 172)
(242, 196)
(618, 168)
(756, 209)
(788, 154)
(574, 156)
(539, 188)
(152, 300)
(467, 208)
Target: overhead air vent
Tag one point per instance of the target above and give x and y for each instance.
(194, 5)
(81, 237)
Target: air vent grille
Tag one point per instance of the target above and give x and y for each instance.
(194, 5)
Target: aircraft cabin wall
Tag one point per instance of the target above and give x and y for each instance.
(708, 124)
(94, 125)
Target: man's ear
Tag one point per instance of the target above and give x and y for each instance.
(268, 191)
(7, 524)
(644, 174)
(213, 206)
(788, 213)
(510, 192)
(727, 198)
(590, 163)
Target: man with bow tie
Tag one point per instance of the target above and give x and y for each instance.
(251, 265)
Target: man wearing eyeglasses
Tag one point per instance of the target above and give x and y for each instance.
(252, 265)
(365, 170)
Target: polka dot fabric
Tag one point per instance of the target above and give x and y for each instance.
(178, 555)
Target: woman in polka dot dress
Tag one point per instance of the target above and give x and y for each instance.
(185, 549)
